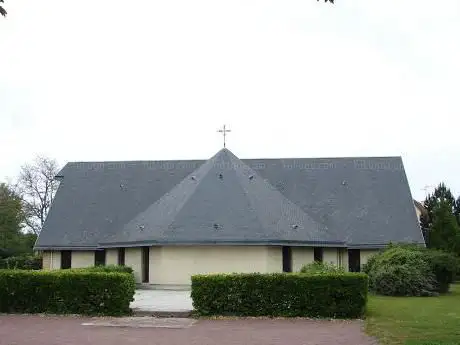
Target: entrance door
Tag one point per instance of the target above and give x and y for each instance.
(145, 264)
(287, 259)
(354, 261)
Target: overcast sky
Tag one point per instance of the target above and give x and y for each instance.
(150, 80)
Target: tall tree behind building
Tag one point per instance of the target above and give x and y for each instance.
(37, 187)
(440, 224)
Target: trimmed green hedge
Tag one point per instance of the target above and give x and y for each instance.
(321, 267)
(25, 262)
(108, 268)
(335, 295)
(66, 292)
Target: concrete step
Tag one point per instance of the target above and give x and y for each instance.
(162, 313)
(141, 322)
(145, 286)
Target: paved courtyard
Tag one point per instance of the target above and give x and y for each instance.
(41, 330)
(162, 301)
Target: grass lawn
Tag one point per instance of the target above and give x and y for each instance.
(415, 320)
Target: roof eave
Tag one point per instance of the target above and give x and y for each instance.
(59, 247)
(378, 245)
(334, 244)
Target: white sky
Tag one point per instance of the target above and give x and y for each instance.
(149, 80)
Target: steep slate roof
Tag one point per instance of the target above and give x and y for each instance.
(223, 200)
(357, 202)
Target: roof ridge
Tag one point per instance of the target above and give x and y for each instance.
(242, 159)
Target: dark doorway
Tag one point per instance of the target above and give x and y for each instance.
(99, 258)
(354, 261)
(287, 259)
(145, 264)
(66, 259)
(121, 256)
(318, 254)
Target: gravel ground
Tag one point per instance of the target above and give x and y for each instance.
(73, 330)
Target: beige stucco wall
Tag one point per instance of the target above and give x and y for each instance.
(176, 264)
(365, 254)
(111, 257)
(301, 256)
(274, 259)
(133, 258)
(51, 260)
(82, 259)
(330, 256)
(56, 260)
(46, 260)
(155, 255)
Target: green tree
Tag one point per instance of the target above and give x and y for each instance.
(441, 193)
(444, 232)
(2, 10)
(457, 210)
(11, 219)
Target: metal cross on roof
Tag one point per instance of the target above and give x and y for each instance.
(224, 132)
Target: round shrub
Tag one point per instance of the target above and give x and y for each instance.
(402, 280)
(442, 264)
(371, 263)
(321, 267)
(400, 271)
(400, 256)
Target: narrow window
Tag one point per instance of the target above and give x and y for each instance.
(66, 259)
(318, 254)
(99, 258)
(354, 260)
(287, 259)
(121, 256)
(145, 264)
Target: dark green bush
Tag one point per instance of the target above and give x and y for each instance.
(109, 268)
(402, 280)
(399, 271)
(400, 256)
(25, 262)
(408, 270)
(443, 265)
(321, 267)
(370, 265)
(280, 294)
(65, 292)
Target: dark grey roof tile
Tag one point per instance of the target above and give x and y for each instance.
(364, 201)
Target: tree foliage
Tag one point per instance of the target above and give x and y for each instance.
(12, 240)
(441, 223)
(2, 10)
(441, 193)
(37, 186)
(444, 232)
